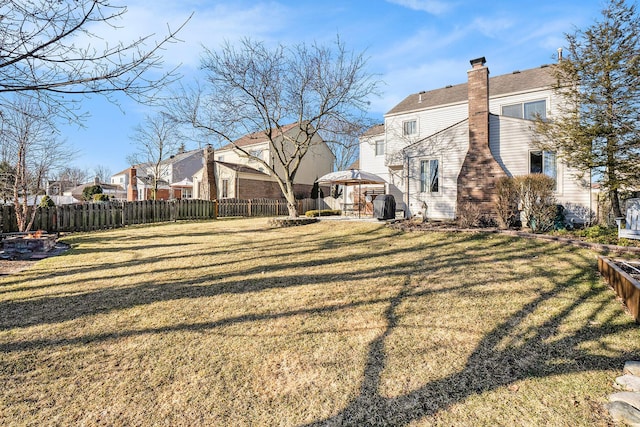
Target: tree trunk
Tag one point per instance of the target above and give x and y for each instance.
(293, 209)
(615, 204)
(292, 205)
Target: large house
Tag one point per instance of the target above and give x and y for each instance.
(241, 176)
(236, 175)
(441, 149)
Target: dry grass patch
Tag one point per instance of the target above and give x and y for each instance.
(235, 323)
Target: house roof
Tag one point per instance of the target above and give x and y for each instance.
(76, 192)
(240, 168)
(518, 81)
(374, 130)
(122, 172)
(181, 156)
(253, 138)
(148, 180)
(172, 159)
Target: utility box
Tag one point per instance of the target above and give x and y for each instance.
(384, 207)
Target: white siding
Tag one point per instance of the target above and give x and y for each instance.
(450, 148)
(317, 162)
(231, 155)
(429, 122)
(511, 141)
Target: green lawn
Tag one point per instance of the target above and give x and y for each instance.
(234, 323)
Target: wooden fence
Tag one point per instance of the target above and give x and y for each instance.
(100, 216)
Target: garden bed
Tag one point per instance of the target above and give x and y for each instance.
(623, 276)
(291, 222)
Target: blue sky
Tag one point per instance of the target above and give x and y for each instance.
(412, 45)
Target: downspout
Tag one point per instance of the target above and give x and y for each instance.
(406, 186)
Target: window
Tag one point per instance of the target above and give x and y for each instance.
(429, 176)
(186, 193)
(380, 147)
(543, 162)
(409, 128)
(527, 110)
(225, 189)
(256, 153)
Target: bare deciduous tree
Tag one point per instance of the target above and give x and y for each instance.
(102, 172)
(49, 50)
(156, 140)
(73, 175)
(34, 150)
(291, 95)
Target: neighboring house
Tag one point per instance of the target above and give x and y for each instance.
(240, 176)
(111, 190)
(146, 185)
(174, 180)
(122, 179)
(58, 187)
(439, 150)
(236, 181)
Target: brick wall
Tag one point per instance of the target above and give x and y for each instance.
(257, 189)
(480, 171)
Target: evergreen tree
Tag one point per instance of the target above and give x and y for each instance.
(598, 128)
(316, 191)
(89, 191)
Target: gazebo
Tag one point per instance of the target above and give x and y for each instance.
(351, 177)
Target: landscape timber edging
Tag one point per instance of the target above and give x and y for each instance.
(626, 287)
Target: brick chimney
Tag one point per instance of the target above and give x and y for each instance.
(480, 170)
(132, 189)
(208, 186)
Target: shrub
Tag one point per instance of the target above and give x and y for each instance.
(600, 234)
(469, 215)
(539, 209)
(100, 198)
(90, 190)
(507, 202)
(47, 202)
(323, 212)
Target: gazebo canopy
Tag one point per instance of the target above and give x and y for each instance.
(350, 177)
(184, 183)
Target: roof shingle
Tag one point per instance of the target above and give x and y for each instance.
(518, 81)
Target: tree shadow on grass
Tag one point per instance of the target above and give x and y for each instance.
(504, 356)
(64, 306)
(56, 307)
(510, 352)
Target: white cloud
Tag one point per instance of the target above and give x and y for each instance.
(210, 25)
(433, 7)
(492, 27)
(400, 82)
